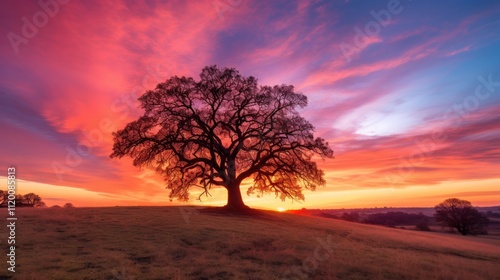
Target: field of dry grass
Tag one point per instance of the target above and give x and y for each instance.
(182, 243)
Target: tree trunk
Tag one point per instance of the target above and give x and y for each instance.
(234, 200)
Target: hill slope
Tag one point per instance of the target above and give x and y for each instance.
(182, 243)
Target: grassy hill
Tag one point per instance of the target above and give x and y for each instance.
(183, 243)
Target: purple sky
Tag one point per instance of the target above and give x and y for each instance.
(407, 92)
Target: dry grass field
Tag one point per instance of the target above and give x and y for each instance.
(182, 243)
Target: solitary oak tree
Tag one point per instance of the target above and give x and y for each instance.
(221, 130)
(460, 215)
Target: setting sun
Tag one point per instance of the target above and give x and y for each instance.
(281, 209)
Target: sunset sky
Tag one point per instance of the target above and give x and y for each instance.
(406, 92)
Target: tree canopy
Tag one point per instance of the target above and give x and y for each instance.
(27, 200)
(460, 215)
(221, 130)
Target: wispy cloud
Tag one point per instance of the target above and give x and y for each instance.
(77, 81)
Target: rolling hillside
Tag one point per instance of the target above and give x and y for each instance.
(184, 243)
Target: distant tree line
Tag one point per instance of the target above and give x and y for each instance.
(491, 214)
(453, 213)
(350, 216)
(27, 200)
(396, 218)
(390, 219)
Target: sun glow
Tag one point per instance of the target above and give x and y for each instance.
(281, 209)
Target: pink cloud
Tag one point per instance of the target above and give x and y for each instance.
(90, 61)
(457, 51)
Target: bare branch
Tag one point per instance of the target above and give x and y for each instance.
(221, 130)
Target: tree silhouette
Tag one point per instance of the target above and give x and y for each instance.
(27, 200)
(221, 130)
(32, 200)
(3, 197)
(460, 215)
